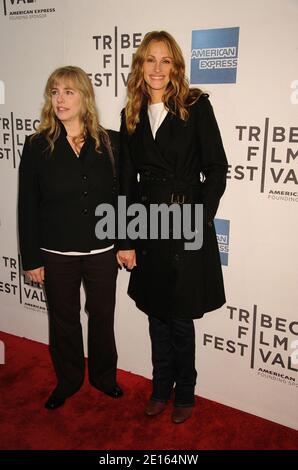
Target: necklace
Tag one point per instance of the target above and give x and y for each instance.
(71, 140)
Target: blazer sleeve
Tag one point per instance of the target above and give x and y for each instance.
(114, 137)
(214, 163)
(127, 181)
(115, 141)
(28, 209)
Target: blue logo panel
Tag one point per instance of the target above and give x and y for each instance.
(214, 56)
(222, 228)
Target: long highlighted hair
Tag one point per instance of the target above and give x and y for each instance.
(178, 96)
(73, 77)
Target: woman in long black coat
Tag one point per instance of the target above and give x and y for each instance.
(171, 152)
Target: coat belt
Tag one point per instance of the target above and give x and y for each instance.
(164, 189)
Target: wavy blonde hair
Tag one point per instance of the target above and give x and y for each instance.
(73, 77)
(178, 96)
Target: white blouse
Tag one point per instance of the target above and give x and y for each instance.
(157, 113)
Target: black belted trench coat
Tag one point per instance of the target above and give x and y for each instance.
(186, 158)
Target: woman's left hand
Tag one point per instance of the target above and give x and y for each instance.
(126, 258)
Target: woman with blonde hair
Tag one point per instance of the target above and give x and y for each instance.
(67, 169)
(171, 152)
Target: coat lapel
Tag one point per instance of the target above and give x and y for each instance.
(154, 149)
(162, 151)
(148, 141)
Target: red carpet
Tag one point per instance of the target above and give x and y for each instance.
(91, 420)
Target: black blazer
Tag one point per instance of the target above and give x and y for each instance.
(58, 195)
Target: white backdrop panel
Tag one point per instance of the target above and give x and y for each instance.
(245, 357)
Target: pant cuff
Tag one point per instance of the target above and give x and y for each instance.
(184, 405)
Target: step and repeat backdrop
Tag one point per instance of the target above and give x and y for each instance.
(244, 54)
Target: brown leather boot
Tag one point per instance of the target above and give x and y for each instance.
(154, 407)
(181, 414)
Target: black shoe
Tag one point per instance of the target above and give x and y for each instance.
(114, 392)
(54, 402)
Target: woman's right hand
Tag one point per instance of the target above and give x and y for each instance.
(36, 275)
(126, 258)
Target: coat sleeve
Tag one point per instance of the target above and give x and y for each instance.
(214, 163)
(29, 209)
(127, 181)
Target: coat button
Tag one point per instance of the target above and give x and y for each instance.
(85, 177)
(85, 193)
(176, 257)
(85, 211)
(144, 198)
